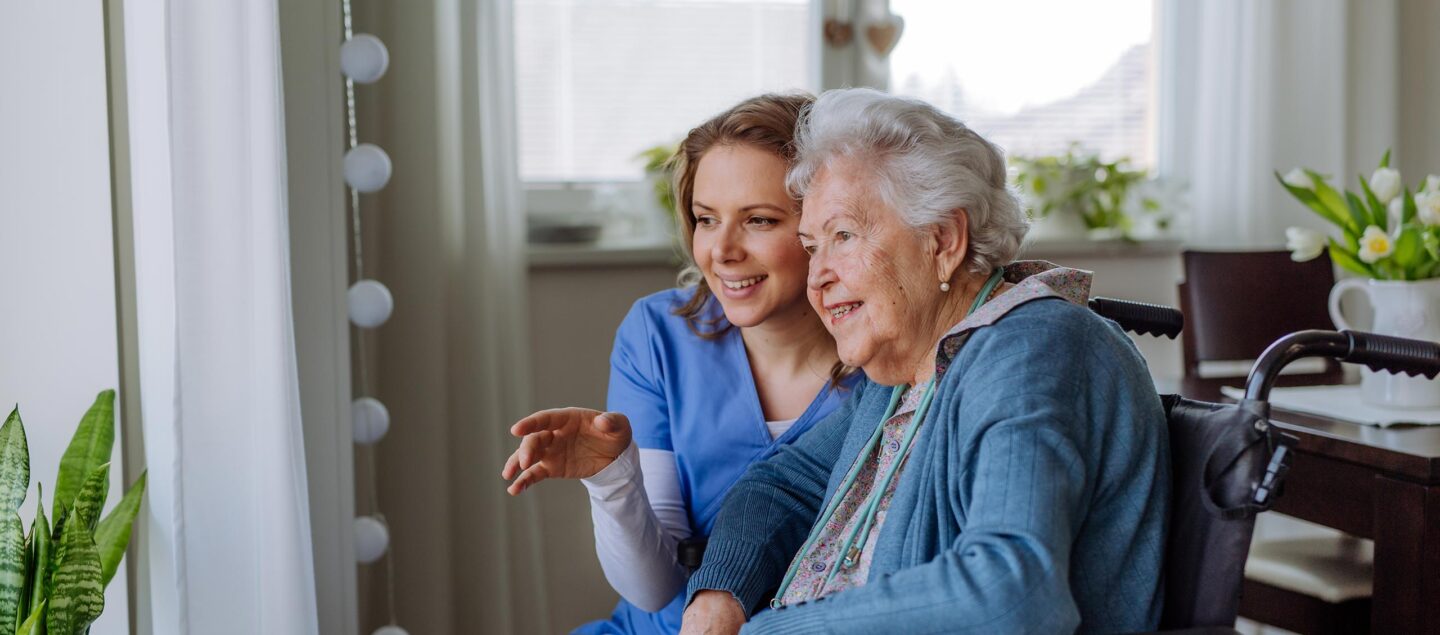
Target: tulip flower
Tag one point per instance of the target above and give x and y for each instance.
(1375, 244)
(1296, 177)
(1304, 244)
(1427, 207)
(1385, 183)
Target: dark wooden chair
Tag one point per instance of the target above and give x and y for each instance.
(1237, 303)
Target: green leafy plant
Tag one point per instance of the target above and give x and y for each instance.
(1102, 193)
(53, 579)
(658, 168)
(1386, 232)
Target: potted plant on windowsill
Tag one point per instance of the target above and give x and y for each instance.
(53, 578)
(1391, 239)
(1078, 195)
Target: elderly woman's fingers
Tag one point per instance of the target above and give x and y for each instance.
(534, 474)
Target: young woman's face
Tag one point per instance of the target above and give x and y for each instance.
(745, 242)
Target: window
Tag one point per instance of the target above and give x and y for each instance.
(1035, 75)
(599, 81)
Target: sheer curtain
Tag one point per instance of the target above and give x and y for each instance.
(1248, 88)
(227, 547)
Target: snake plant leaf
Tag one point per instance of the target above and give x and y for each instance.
(89, 449)
(14, 463)
(57, 554)
(78, 597)
(32, 625)
(112, 536)
(40, 547)
(12, 567)
(91, 499)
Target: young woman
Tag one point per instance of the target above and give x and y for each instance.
(705, 379)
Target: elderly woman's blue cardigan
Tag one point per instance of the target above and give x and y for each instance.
(1035, 499)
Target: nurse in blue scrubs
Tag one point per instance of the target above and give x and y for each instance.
(705, 379)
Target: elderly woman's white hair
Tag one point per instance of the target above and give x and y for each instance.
(927, 165)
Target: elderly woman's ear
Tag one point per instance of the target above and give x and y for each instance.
(951, 243)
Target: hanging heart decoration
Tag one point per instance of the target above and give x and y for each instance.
(838, 33)
(883, 35)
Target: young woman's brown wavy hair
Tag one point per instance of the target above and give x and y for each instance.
(767, 123)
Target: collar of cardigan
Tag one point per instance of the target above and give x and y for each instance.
(1033, 279)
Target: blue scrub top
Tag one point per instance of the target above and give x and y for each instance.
(696, 398)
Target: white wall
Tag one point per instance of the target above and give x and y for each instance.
(57, 282)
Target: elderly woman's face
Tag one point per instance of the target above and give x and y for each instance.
(744, 239)
(871, 279)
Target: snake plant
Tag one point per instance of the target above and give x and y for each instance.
(53, 579)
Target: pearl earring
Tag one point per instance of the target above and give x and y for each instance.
(944, 287)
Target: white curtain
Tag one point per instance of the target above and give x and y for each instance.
(227, 542)
(1249, 87)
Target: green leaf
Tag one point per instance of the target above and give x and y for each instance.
(1377, 209)
(113, 534)
(1331, 200)
(1308, 197)
(14, 463)
(32, 625)
(12, 567)
(1358, 212)
(1348, 260)
(1408, 208)
(91, 500)
(40, 546)
(1408, 250)
(78, 596)
(89, 449)
(1385, 160)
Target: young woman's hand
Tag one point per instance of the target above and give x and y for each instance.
(564, 443)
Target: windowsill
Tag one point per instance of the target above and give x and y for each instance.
(1051, 249)
(606, 252)
(656, 251)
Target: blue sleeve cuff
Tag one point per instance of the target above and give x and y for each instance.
(742, 569)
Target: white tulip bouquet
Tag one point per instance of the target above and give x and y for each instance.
(1388, 233)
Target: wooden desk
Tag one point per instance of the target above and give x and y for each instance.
(1381, 484)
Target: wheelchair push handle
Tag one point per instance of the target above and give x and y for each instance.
(1140, 317)
(1394, 354)
(1379, 352)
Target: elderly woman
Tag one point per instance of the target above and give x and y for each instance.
(1004, 469)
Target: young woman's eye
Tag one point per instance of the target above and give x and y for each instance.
(763, 221)
(705, 221)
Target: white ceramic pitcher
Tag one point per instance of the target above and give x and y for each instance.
(1402, 309)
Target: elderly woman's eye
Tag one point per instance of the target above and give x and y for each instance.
(809, 248)
(843, 236)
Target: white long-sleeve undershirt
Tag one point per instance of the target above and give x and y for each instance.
(640, 518)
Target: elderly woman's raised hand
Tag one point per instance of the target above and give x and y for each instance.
(564, 443)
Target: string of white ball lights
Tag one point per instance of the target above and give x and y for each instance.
(367, 168)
